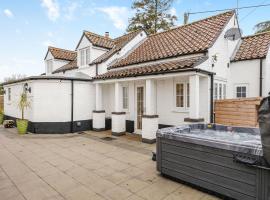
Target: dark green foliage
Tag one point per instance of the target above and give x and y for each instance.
(152, 16)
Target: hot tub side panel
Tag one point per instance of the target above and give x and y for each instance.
(210, 168)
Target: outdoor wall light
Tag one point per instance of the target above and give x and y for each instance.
(27, 88)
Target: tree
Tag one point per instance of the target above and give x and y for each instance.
(152, 16)
(262, 27)
(14, 77)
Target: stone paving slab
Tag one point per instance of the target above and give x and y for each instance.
(83, 167)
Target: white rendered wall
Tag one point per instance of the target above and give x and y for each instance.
(245, 73)
(223, 49)
(84, 100)
(266, 87)
(11, 107)
(56, 62)
(51, 101)
(95, 52)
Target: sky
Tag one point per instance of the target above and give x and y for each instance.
(29, 26)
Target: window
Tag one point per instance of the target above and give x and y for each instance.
(9, 94)
(224, 91)
(49, 66)
(179, 95)
(125, 97)
(220, 91)
(182, 96)
(241, 91)
(216, 91)
(84, 56)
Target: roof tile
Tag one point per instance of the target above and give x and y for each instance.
(62, 54)
(253, 47)
(188, 39)
(154, 68)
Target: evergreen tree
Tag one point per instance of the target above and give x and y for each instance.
(262, 27)
(152, 16)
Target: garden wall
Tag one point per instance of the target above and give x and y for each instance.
(237, 112)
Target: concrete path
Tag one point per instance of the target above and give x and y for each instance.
(83, 167)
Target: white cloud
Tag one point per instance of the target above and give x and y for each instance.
(173, 11)
(119, 15)
(70, 9)
(47, 43)
(8, 13)
(52, 7)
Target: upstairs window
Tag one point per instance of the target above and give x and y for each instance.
(125, 98)
(241, 91)
(49, 66)
(84, 56)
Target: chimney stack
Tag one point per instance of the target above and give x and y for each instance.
(107, 35)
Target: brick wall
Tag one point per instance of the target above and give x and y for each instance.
(237, 112)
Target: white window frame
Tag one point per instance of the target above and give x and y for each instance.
(185, 108)
(127, 98)
(84, 56)
(220, 90)
(240, 85)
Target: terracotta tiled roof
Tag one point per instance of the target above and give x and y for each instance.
(70, 66)
(62, 54)
(119, 43)
(253, 47)
(188, 39)
(154, 68)
(99, 41)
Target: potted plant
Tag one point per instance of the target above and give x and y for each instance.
(22, 124)
(1, 116)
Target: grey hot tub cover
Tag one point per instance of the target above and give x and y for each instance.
(264, 121)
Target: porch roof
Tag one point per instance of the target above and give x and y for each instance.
(186, 64)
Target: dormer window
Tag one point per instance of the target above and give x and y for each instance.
(49, 66)
(84, 56)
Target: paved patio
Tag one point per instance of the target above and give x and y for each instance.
(83, 166)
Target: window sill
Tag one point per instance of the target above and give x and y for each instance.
(177, 110)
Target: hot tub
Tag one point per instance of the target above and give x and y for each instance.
(225, 160)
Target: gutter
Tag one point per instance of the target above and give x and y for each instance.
(47, 78)
(261, 76)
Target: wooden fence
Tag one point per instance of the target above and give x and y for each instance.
(1, 102)
(237, 112)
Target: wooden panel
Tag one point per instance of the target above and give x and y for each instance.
(237, 112)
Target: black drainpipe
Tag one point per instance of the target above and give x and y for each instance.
(212, 120)
(261, 76)
(96, 69)
(72, 106)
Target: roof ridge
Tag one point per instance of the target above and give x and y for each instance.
(127, 34)
(256, 34)
(197, 21)
(50, 47)
(104, 37)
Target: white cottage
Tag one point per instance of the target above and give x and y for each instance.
(138, 83)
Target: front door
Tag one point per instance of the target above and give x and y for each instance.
(140, 105)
